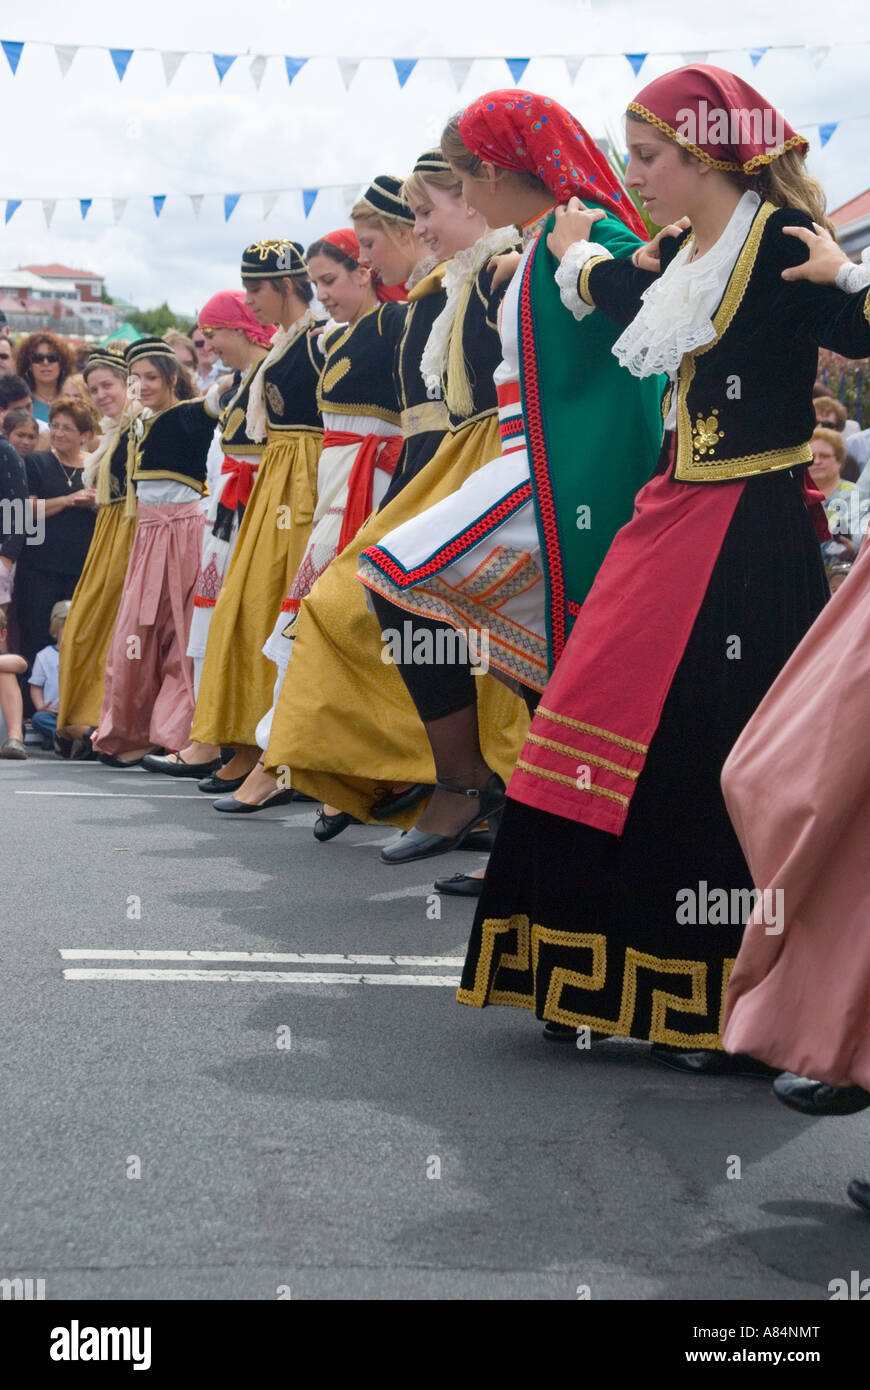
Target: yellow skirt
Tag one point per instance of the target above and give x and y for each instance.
(88, 629)
(345, 724)
(237, 679)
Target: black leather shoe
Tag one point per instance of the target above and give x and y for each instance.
(418, 844)
(213, 783)
(175, 767)
(241, 808)
(327, 827)
(111, 761)
(859, 1192)
(817, 1097)
(459, 886)
(710, 1063)
(402, 801)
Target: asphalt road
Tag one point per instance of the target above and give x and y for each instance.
(357, 1139)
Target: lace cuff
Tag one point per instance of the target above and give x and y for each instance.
(853, 278)
(569, 271)
(212, 401)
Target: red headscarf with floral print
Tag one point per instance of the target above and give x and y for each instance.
(535, 135)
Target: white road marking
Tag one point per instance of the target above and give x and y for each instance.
(268, 977)
(269, 957)
(136, 796)
(423, 890)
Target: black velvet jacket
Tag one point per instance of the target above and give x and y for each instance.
(424, 416)
(744, 401)
(357, 375)
(118, 468)
(173, 445)
(235, 440)
(290, 386)
(481, 342)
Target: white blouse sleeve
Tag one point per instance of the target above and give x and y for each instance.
(568, 274)
(853, 278)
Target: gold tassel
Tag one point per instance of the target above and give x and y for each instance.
(457, 389)
(132, 461)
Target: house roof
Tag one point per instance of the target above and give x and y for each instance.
(61, 272)
(851, 211)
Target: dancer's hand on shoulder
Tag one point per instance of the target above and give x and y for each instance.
(574, 222)
(503, 267)
(648, 256)
(825, 257)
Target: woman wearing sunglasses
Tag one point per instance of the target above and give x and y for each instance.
(45, 361)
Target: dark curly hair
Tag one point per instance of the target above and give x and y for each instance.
(29, 346)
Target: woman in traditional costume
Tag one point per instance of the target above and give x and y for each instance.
(282, 411)
(88, 629)
(361, 445)
(345, 725)
(797, 788)
(148, 700)
(242, 343)
(616, 893)
(510, 555)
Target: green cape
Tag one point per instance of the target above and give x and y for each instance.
(594, 431)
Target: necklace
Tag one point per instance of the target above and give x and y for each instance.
(69, 474)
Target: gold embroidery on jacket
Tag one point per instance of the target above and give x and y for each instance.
(706, 435)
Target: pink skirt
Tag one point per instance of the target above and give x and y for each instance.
(149, 694)
(797, 787)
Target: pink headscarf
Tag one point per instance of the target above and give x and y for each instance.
(227, 309)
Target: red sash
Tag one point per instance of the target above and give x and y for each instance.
(375, 451)
(240, 481)
(591, 733)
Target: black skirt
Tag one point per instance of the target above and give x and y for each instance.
(623, 934)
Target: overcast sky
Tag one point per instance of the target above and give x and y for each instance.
(87, 135)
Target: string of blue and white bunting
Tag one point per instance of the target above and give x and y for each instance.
(349, 192)
(460, 66)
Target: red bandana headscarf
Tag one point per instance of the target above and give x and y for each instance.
(345, 240)
(227, 309)
(535, 135)
(718, 117)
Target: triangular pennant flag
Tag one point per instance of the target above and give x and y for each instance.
(13, 53)
(826, 131)
(256, 69)
(637, 61)
(269, 201)
(517, 67)
(573, 65)
(756, 54)
(119, 207)
(817, 55)
(293, 66)
(459, 70)
(65, 54)
(349, 196)
(85, 205)
(404, 67)
(120, 58)
(158, 200)
(691, 60)
(196, 203)
(308, 197)
(12, 206)
(48, 207)
(347, 67)
(171, 63)
(223, 62)
(230, 200)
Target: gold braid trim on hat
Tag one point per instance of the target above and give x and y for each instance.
(728, 164)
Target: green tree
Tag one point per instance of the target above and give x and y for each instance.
(154, 322)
